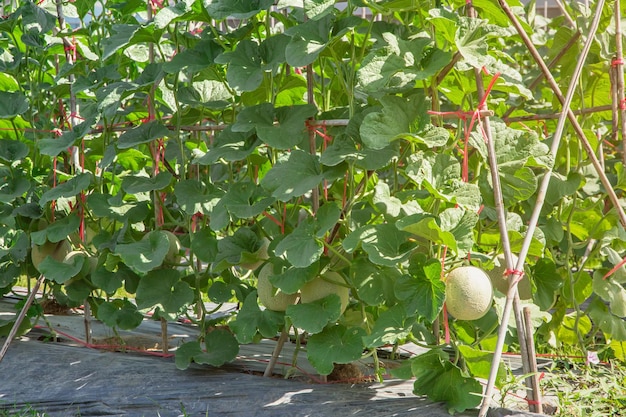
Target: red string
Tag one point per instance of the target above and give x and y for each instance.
(615, 268)
(617, 61)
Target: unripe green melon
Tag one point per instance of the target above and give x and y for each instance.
(272, 298)
(501, 283)
(468, 293)
(57, 251)
(320, 287)
(173, 254)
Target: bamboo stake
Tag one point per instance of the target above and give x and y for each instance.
(502, 224)
(536, 405)
(269, 369)
(541, 193)
(551, 116)
(618, 66)
(20, 317)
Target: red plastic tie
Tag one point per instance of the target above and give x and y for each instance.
(617, 61)
(513, 272)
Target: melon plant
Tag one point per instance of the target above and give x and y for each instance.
(468, 293)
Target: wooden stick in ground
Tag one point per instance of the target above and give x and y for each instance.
(20, 317)
(269, 369)
(543, 188)
(618, 66)
(535, 405)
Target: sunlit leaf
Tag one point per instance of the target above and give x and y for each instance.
(336, 344)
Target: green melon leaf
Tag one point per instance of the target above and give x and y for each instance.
(60, 272)
(134, 184)
(144, 133)
(12, 104)
(252, 320)
(336, 344)
(70, 188)
(441, 380)
(314, 316)
(120, 314)
(392, 326)
(221, 9)
(146, 254)
(13, 150)
(164, 288)
(300, 247)
(293, 177)
(422, 292)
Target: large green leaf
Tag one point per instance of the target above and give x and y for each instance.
(610, 324)
(57, 230)
(281, 127)
(308, 40)
(134, 184)
(336, 344)
(548, 282)
(300, 247)
(245, 67)
(384, 243)
(292, 279)
(204, 245)
(146, 254)
(61, 272)
(479, 364)
(396, 65)
(163, 288)
(293, 177)
(246, 200)
(12, 150)
(252, 320)
(314, 316)
(230, 146)
(392, 326)
(12, 104)
(395, 118)
(612, 292)
(194, 196)
(70, 188)
(121, 314)
(441, 380)
(144, 133)
(427, 227)
(12, 188)
(221, 347)
(423, 291)
(201, 56)
(221, 9)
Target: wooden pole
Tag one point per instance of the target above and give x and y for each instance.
(20, 317)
